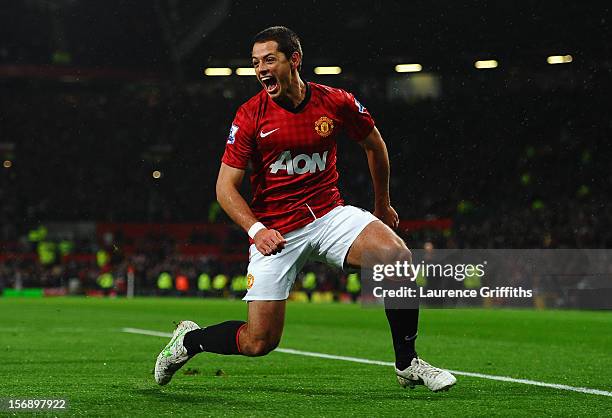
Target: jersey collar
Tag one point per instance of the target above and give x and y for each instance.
(303, 103)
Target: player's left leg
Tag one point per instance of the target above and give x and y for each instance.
(349, 236)
(378, 244)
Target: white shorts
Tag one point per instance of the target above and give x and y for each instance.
(326, 239)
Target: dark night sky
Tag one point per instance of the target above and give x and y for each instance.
(362, 33)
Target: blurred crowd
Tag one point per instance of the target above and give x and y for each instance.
(522, 168)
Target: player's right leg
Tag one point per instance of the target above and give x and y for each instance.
(256, 337)
(270, 279)
(264, 328)
(174, 354)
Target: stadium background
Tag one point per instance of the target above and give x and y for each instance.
(100, 99)
(111, 133)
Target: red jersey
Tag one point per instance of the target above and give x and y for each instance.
(293, 153)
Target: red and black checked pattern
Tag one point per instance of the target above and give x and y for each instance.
(287, 150)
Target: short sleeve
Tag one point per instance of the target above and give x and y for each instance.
(358, 122)
(240, 141)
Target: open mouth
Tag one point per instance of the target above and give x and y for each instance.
(270, 83)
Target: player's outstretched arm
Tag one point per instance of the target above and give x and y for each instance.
(267, 241)
(378, 161)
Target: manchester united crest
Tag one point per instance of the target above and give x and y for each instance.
(250, 280)
(324, 126)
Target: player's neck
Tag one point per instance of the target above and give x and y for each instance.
(295, 95)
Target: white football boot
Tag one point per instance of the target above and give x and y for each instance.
(422, 373)
(174, 355)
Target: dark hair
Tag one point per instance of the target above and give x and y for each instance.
(287, 40)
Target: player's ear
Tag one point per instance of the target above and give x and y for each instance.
(296, 59)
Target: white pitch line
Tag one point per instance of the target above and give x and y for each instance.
(146, 332)
(387, 363)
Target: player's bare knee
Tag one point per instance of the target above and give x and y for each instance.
(393, 252)
(261, 347)
(257, 348)
(404, 254)
(272, 344)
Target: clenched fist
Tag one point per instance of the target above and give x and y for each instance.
(269, 241)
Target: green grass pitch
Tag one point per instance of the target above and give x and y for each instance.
(73, 348)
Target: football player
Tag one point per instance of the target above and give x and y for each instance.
(288, 133)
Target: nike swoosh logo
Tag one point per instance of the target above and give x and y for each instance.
(265, 134)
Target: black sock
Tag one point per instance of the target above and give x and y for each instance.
(221, 339)
(404, 324)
